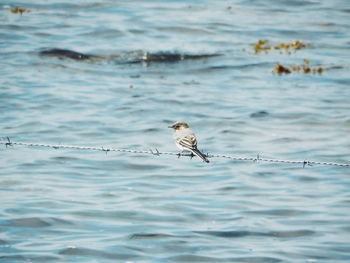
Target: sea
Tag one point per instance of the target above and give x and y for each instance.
(254, 80)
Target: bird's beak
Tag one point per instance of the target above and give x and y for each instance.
(170, 126)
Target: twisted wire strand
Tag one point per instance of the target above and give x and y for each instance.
(8, 143)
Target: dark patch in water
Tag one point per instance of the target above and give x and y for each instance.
(151, 130)
(64, 158)
(148, 236)
(27, 222)
(229, 67)
(13, 258)
(35, 222)
(65, 53)
(228, 188)
(74, 251)
(264, 174)
(259, 114)
(195, 258)
(230, 234)
(129, 57)
(279, 212)
(135, 76)
(167, 57)
(239, 234)
(257, 260)
(146, 167)
(290, 234)
(3, 242)
(308, 179)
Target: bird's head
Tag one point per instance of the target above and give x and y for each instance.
(179, 125)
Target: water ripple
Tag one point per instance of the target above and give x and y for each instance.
(88, 252)
(240, 234)
(116, 74)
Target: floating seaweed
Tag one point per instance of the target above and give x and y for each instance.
(264, 45)
(303, 68)
(261, 45)
(19, 10)
(288, 46)
(280, 69)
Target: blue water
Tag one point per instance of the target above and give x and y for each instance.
(69, 205)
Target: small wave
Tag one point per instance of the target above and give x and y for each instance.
(148, 167)
(291, 234)
(133, 57)
(148, 236)
(195, 258)
(239, 234)
(35, 222)
(259, 114)
(29, 258)
(3, 242)
(65, 53)
(279, 212)
(230, 67)
(75, 251)
(231, 234)
(64, 158)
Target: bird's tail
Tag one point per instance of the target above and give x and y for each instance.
(200, 155)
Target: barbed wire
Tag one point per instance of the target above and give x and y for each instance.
(7, 142)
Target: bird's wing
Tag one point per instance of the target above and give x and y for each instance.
(188, 141)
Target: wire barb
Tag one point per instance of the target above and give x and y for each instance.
(105, 150)
(257, 158)
(7, 142)
(157, 153)
(306, 163)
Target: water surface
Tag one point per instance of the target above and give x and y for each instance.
(148, 64)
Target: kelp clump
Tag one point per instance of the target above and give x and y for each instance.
(304, 68)
(265, 46)
(19, 10)
(280, 69)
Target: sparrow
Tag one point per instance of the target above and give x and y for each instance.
(185, 139)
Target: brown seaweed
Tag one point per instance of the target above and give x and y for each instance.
(304, 68)
(264, 45)
(19, 10)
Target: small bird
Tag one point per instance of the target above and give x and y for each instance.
(185, 139)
